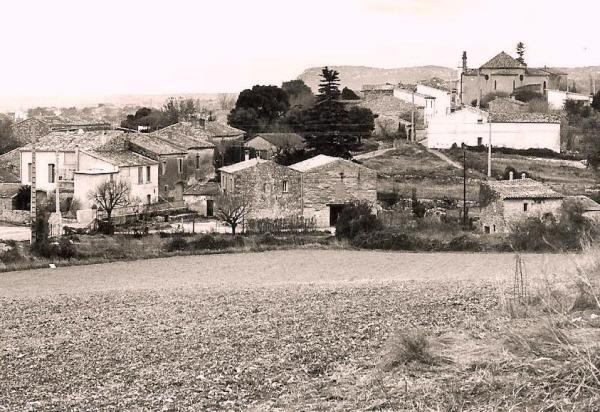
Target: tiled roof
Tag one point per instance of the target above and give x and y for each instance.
(206, 189)
(389, 105)
(8, 190)
(502, 61)
(508, 100)
(373, 87)
(189, 139)
(122, 158)
(155, 144)
(313, 162)
(518, 117)
(236, 167)
(282, 140)
(522, 189)
(440, 84)
(68, 141)
(210, 130)
(217, 129)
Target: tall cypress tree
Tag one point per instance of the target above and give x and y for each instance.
(521, 53)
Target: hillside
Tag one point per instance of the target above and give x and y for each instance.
(581, 75)
(355, 76)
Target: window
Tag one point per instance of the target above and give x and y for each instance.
(148, 174)
(166, 188)
(525, 207)
(140, 175)
(487, 77)
(544, 86)
(521, 77)
(29, 172)
(495, 84)
(513, 85)
(486, 229)
(179, 165)
(197, 162)
(51, 170)
(494, 227)
(164, 167)
(285, 186)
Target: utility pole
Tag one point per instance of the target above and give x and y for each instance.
(489, 165)
(478, 90)
(412, 118)
(464, 187)
(33, 202)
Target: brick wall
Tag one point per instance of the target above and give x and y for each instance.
(336, 183)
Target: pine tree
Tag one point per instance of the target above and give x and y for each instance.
(329, 88)
(521, 53)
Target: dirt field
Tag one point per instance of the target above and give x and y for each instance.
(293, 330)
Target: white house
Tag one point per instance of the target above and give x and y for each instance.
(79, 161)
(443, 99)
(427, 102)
(474, 127)
(557, 98)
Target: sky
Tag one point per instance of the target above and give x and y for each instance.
(79, 48)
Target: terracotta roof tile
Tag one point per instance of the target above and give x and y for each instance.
(502, 61)
(522, 189)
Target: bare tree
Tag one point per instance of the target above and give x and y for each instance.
(110, 195)
(232, 209)
(226, 102)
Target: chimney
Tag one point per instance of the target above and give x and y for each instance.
(77, 157)
(464, 62)
(523, 175)
(247, 155)
(510, 175)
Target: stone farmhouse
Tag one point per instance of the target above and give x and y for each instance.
(474, 127)
(505, 202)
(328, 183)
(183, 160)
(503, 73)
(202, 129)
(26, 131)
(273, 190)
(267, 145)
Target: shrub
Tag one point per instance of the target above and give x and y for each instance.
(466, 243)
(212, 242)
(177, 243)
(355, 219)
(12, 254)
(409, 347)
(385, 240)
(66, 248)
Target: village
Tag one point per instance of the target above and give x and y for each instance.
(186, 170)
(354, 238)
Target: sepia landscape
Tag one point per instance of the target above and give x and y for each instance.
(253, 209)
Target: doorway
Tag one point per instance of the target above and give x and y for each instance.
(334, 213)
(210, 208)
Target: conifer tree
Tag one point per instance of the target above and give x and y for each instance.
(521, 53)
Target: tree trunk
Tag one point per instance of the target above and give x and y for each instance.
(109, 228)
(233, 226)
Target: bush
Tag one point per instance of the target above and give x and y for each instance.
(466, 243)
(212, 242)
(66, 248)
(177, 243)
(384, 240)
(356, 219)
(409, 347)
(12, 254)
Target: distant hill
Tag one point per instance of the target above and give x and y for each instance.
(581, 75)
(355, 76)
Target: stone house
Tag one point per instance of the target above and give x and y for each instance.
(269, 144)
(183, 161)
(474, 127)
(273, 190)
(390, 113)
(328, 183)
(213, 131)
(505, 202)
(503, 73)
(201, 197)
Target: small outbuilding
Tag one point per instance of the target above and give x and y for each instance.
(201, 197)
(505, 202)
(269, 144)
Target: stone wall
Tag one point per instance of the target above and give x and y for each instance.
(338, 182)
(263, 184)
(507, 106)
(14, 216)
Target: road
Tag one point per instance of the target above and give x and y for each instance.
(18, 233)
(278, 268)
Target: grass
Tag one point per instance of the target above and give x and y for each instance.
(561, 177)
(334, 330)
(411, 166)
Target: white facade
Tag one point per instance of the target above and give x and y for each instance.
(428, 103)
(557, 98)
(143, 180)
(470, 126)
(443, 99)
(45, 162)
